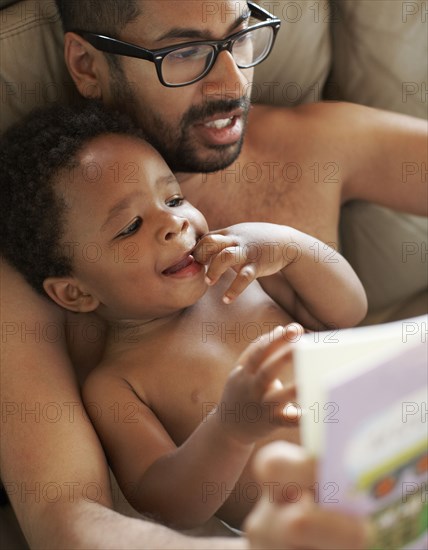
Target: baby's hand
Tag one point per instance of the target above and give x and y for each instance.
(251, 249)
(254, 401)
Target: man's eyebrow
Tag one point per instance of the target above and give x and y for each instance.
(177, 32)
(120, 205)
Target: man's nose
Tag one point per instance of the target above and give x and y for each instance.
(225, 80)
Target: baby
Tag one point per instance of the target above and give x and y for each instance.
(93, 217)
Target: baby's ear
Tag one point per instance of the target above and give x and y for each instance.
(67, 293)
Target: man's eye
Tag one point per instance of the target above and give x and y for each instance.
(176, 201)
(244, 40)
(186, 54)
(132, 228)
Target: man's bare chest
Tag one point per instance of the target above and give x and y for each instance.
(304, 196)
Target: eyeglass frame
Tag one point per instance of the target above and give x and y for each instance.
(119, 47)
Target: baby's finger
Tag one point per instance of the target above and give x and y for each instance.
(229, 256)
(293, 332)
(279, 361)
(209, 246)
(256, 353)
(282, 402)
(244, 278)
(284, 392)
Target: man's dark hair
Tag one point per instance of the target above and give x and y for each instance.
(107, 17)
(34, 154)
(101, 16)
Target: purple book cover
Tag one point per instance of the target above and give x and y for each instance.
(375, 460)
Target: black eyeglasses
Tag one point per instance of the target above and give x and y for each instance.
(187, 63)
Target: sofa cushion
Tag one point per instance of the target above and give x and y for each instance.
(299, 64)
(33, 72)
(380, 54)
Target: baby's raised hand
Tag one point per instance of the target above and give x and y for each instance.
(254, 401)
(251, 249)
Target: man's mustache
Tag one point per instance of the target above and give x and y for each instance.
(198, 113)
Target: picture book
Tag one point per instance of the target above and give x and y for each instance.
(363, 394)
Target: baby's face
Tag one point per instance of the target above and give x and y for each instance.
(130, 230)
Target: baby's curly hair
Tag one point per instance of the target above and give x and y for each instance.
(33, 154)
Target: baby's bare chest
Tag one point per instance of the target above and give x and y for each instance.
(183, 374)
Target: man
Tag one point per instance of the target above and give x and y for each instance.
(198, 126)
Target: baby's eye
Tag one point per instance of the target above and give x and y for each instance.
(132, 228)
(176, 201)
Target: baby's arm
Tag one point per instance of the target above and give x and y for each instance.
(169, 482)
(311, 280)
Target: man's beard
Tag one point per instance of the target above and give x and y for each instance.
(176, 145)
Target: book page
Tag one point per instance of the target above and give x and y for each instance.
(340, 353)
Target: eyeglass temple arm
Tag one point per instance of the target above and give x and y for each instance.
(261, 11)
(110, 45)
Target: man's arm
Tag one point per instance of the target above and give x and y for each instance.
(52, 464)
(300, 523)
(385, 157)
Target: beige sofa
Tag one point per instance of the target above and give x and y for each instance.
(365, 51)
(372, 52)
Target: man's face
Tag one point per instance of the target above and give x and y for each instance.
(130, 232)
(199, 127)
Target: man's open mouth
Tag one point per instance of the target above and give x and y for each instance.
(222, 119)
(220, 123)
(221, 129)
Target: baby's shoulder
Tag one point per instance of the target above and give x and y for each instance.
(114, 374)
(104, 378)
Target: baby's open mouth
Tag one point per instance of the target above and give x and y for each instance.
(182, 264)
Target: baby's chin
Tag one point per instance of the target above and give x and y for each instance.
(194, 299)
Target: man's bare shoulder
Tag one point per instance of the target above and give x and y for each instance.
(268, 122)
(367, 145)
(308, 111)
(326, 119)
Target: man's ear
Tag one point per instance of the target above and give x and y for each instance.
(67, 293)
(83, 61)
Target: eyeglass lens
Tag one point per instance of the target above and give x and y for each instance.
(187, 64)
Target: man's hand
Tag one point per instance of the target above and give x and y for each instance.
(254, 401)
(251, 249)
(290, 519)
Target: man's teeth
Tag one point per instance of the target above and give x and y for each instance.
(220, 123)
